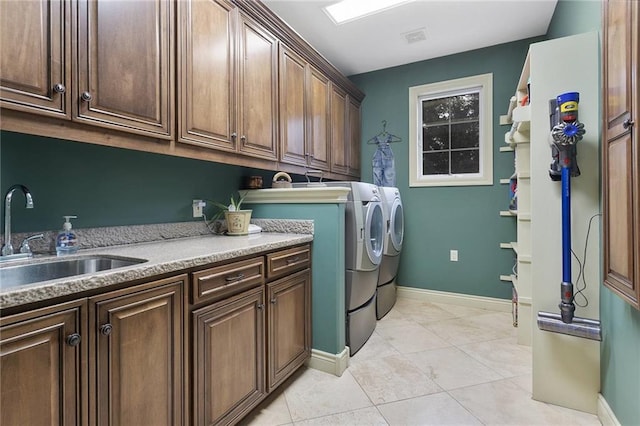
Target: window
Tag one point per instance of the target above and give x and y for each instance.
(451, 132)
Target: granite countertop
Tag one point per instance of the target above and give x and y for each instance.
(163, 257)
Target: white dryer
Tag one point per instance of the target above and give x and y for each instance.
(364, 244)
(394, 236)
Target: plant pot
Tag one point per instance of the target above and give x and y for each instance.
(238, 222)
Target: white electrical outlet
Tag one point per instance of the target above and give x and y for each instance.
(453, 255)
(197, 207)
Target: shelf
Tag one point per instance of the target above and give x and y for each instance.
(506, 149)
(522, 114)
(508, 213)
(505, 181)
(506, 245)
(506, 278)
(518, 135)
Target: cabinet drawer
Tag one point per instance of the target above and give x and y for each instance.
(223, 281)
(288, 261)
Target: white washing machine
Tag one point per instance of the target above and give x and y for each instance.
(394, 236)
(364, 243)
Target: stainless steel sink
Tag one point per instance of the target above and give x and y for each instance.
(17, 275)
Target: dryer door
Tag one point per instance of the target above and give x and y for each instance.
(396, 226)
(374, 231)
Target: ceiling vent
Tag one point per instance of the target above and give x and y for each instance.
(415, 36)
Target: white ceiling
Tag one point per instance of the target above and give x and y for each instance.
(378, 41)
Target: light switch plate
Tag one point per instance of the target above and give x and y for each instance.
(453, 255)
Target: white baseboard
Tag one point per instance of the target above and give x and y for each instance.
(605, 413)
(480, 302)
(329, 363)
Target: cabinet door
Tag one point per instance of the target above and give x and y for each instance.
(292, 108)
(257, 80)
(318, 120)
(288, 325)
(339, 156)
(125, 66)
(137, 365)
(34, 56)
(206, 54)
(43, 367)
(621, 155)
(228, 358)
(354, 138)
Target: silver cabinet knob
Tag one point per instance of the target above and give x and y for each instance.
(86, 96)
(628, 123)
(243, 138)
(106, 329)
(234, 135)
(74, 339)
(59, 88)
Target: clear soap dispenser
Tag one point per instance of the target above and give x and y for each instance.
(66, 241)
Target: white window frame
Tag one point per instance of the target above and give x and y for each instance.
(482, 83)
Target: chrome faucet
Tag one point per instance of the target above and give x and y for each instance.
(7, 248)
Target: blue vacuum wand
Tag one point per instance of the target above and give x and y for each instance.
(565, 136)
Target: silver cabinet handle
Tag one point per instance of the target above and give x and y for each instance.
(59, 88)
(234, 135)
(86, 96)
(243, 138)
(238, 277)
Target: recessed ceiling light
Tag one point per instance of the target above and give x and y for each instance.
(349, 10)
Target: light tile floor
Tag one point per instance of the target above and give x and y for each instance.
(426, 364)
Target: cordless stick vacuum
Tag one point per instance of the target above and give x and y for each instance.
(564, 138)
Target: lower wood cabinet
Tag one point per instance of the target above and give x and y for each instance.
(288, 325)
(43, 367)
(112, 359)
(228, 358)
(137, 365)
(130, 356)
(247, 344)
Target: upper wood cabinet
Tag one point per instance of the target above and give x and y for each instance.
(206, 73)
(257, 90)
(34, 64)
(354, 132)
(116, 72)
(124, 71)
(293, 132)
(43, 369)
(208, 76)
(339, 146)
(620, 152)
(227, 80)
(304, 112)
(318, 119)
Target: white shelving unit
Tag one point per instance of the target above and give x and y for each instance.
(517, 140)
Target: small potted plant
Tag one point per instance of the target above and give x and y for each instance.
(236, 218)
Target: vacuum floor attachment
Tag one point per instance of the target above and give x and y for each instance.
(578, 327)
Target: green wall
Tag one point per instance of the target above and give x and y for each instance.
(439, 219)
(106, 186)
(619, 365)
